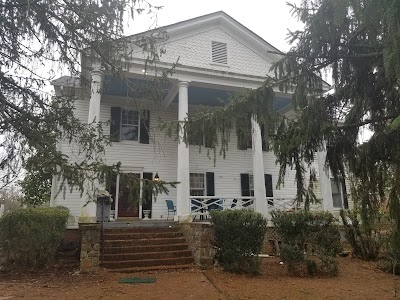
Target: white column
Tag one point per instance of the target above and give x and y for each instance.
(183, 188)
(260, 204)
(324, 182)
(88, 208)
(95, 95)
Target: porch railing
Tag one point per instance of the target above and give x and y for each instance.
(202, 205)
(281, 204)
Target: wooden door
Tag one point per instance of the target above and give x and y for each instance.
(129, 195)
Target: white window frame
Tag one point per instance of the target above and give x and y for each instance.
(340, 187)
(128, 125)
(204, 189)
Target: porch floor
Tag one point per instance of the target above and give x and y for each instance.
(136, 223)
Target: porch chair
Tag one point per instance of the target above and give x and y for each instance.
(170, 207)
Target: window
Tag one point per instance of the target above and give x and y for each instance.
(129, 125)
(219, 52)
(339, 194)
(247, 185)
(251, 185)
(197, 186)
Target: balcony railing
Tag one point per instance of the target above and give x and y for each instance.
(202, 205)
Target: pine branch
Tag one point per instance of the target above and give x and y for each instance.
(292, 54)
(18, 5)
(368, 121)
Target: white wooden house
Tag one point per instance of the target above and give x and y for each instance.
(217, 56)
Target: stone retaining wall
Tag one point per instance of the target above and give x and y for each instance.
(90, 247)
(200, 237)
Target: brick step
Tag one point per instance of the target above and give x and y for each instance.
(147, 255)
(148, 263)
(141, 230)
(141, 235)
(143, 249)
(144, 242)
(153, 268)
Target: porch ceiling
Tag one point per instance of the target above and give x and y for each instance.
(218, 97)
(197, 95)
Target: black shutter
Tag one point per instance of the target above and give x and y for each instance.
(264, 144)
(115, 125)
(147, 195)
(269, 190)
(245, 184)
(210, 184)
(144, 127)
(345, 200)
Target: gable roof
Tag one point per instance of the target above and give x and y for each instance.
(224, 20)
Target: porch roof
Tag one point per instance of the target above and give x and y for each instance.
(197, 95)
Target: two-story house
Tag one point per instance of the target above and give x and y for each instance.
(217, 56)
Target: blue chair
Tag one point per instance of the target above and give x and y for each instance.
(170, 207)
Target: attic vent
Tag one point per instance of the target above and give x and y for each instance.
(219, 52)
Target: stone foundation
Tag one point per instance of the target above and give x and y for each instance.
(200, 237)
(90, 247)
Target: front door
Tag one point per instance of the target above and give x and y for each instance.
(129, 195)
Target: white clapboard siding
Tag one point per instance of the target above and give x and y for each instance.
(161, 156)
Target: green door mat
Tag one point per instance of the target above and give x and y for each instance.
(137, 280)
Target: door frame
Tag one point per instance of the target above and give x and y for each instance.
(136, 171)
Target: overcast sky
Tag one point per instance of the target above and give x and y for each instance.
(269, 19)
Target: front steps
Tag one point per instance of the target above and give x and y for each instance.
(145, 249)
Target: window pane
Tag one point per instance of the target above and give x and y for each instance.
(337, 200)
(336, 194)
(130, 117)
(251, 182)
(251, 185)
(197, 181)
(129, 133)
(196, 192)
(197, 186)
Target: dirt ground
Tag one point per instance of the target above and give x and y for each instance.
(357, 280)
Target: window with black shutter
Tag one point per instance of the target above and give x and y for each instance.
(115, 126)
(129, 125)
(147, 203)
(144, 127)
(245, 184)
(210, 184)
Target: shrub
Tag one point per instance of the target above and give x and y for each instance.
(310, 241)
(363, 231)
(239, 235)
(29, 237)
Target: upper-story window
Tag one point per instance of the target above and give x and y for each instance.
(129, 125)
(219, 52)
